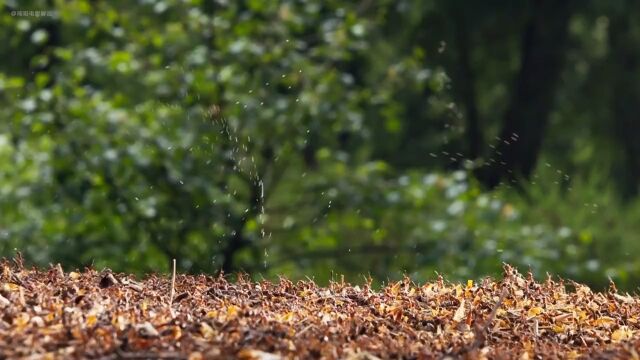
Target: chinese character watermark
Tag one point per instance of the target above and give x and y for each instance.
(34, 13)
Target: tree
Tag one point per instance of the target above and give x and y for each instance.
(543, 47)
(127, 162)
(625, 67)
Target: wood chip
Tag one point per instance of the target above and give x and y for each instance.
(108, 280)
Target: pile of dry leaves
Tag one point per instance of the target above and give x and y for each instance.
(57, 314)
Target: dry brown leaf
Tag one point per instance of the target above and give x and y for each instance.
(621, 334)
(250, 354)
(460, 312)
(70, 316)
(534, 311)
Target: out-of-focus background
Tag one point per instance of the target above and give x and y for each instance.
(323, 137)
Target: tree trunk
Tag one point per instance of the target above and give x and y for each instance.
(466, 82)
(625, 64)
(526, 118)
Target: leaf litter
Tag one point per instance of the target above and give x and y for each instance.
(51, 314)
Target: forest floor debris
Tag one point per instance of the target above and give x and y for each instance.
(91, 314)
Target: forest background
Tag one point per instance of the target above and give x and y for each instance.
(323, 138)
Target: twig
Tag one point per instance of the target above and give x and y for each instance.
(173, 283)
(305, 330)
(149, 355)
(481, 331)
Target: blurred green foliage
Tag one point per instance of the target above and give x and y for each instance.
(305, 138)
